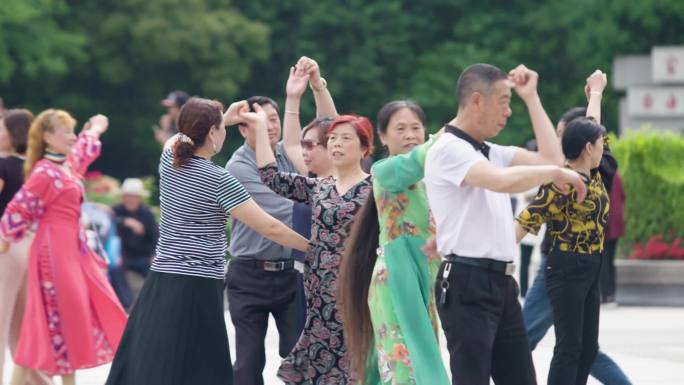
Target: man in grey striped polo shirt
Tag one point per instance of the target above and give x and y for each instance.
(261, 276)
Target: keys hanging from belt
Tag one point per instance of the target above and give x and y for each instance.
(444, 283)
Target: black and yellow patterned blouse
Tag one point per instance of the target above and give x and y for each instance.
(574, 227)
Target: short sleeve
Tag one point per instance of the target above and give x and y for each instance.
(502, 156)
(230, 192)
(548, 203)
(456, 159)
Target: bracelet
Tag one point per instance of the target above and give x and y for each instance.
(323, 82)
(292, 112)
(596, 93)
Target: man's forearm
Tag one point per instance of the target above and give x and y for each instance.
(547, 142)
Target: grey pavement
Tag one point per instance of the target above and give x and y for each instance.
(647, 342)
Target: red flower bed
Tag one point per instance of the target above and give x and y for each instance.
(656, 248)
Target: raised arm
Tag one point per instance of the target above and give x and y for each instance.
(258, 220)
(525, 84)
(291, 186)
(596, 83)
(292, 129)
(325, 106)
(235, 200)
(88, 145)
(399, 172)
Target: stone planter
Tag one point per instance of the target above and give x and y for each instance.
(650, 283)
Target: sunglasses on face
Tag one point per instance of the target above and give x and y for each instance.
(309, 144)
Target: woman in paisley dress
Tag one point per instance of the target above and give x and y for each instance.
(73, 319)
(386, 278)
(320, 355)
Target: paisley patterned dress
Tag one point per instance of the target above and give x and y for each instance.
(400, 297)
(320, 356)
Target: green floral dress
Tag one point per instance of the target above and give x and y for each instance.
(400, 297)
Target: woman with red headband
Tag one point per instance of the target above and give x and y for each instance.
(320, 355)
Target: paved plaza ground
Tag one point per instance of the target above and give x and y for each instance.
(647, 342)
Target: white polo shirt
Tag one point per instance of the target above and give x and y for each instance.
(471, 221)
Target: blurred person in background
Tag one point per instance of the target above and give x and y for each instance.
(168, 123)
(138, 230)
(14, 128)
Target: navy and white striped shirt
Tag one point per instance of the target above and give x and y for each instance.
(195, 201)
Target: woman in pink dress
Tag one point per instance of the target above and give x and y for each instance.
(72, 319)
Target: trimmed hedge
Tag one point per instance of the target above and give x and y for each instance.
(652, 168)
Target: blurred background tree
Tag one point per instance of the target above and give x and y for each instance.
(121, 57)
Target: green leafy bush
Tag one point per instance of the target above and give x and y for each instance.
(652, 170)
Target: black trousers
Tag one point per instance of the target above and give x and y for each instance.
(572, 286)
(253, 294)
(608, 269)
(484, 328)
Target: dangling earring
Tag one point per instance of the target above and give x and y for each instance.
(213, 146)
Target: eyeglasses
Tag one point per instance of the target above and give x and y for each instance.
(309, 144)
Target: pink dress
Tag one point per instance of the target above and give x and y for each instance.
(73, 319)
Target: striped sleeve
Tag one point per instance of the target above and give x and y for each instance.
(230, 192)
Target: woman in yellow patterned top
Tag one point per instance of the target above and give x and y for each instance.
(572, 274)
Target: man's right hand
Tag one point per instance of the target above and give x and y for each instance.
(566, 178)
(524, 82)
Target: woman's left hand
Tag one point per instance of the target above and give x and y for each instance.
(97, 124)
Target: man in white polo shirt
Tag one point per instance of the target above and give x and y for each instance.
(468, 184)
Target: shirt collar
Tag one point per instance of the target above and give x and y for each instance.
(482, 147)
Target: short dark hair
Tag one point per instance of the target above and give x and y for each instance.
(477, 78)
(572, 114)
(262, 101)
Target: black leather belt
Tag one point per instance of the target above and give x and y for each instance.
(506, 268)
(274, 266)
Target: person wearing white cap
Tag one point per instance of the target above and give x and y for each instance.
(137, 228)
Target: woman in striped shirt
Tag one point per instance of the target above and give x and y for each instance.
(176, 332)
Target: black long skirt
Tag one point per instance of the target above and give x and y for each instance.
(176, 335)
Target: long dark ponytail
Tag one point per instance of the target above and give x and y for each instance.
(356, 270)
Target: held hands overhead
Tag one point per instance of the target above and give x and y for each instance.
(97, 125)
(524, 82)
(596, 83)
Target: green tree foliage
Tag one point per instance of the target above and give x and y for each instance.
(121, 57)
(31, 41)
(131, 54)
(373, 52)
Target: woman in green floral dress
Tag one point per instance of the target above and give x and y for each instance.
(386, 279)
